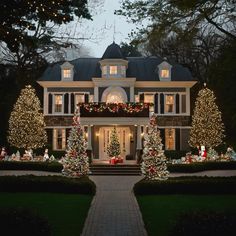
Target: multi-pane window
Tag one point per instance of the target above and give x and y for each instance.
(169, 103)
(59, 139)
(169, 139)
(165, 73)
(66, 73)
(113, 70)
(136, 98)
(148, 98)
(104, 70)
(79, 98)
(57, 103)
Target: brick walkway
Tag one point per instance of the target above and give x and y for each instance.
(114, 210)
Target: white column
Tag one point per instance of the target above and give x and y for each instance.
(89, 138)
(69, 103)
(96, 94)
(188, 101)
(139, 137)
(45, 101)
(131, 92)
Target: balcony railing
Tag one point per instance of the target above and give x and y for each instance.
(114, 109)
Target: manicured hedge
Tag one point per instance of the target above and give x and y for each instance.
(57, 184)
(201, 166)
(187, 185)
(30, 165)
(21, 221)
(198, 223)
(174, 154)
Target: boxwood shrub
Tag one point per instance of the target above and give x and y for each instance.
(30, 165)
(201, 166)
(51, 184)
(21, 221)
(198, 223)
(187, 185)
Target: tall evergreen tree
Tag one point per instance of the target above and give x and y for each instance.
(26, 123)
(207, 126)
(75, 163)
(113, 149)
(154, 160)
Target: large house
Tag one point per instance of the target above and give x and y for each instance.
(121, 92)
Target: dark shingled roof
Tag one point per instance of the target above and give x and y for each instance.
(142, 68)
(113, 51)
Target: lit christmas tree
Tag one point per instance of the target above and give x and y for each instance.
(207, 126)
(26, 123)
(154, 160)
(75, 163)
(113, 149)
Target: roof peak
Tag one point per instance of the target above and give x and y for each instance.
(113, 51)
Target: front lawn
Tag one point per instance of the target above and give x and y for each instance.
(161, 211)
(66, 213)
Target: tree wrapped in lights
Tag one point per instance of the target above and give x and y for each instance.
(75, 163)
(207, 126)
(26, 123)
(113, 149)
(154, 160)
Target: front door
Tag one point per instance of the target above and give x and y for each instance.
(104, 140)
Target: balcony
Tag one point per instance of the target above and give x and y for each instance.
(115, 110)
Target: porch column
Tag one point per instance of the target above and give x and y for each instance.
(89, 138)
(139, 138)
(96, 94)
(131, 92)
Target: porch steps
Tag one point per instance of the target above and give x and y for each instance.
(118, 169)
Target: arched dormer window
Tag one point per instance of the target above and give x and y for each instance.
(164, 71)
(67, 71)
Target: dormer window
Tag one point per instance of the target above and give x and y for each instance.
(67, 71)
(164, 70)
(113, 70)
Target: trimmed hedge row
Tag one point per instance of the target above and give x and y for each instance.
(29, 165)
(198, 223)
(187, 185)
(51, 184)
(201, 166)
(22, 221)
(174, 154)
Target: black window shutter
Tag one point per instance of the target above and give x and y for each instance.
(50, 103)
(177, 103)
(86, 98)
(141, 97)
(162, 103)
(72, 103)
(50, 138)
(66, 101)
(162, 134)
(156, 103)
(177, 139)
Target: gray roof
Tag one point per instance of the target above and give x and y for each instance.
(113, 51)
(143, 68)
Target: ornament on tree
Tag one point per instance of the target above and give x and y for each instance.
(75, 163)
(113, 148)
(154, 160)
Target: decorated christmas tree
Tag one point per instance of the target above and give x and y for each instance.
(113, 148)
(154, 160)
(26, 123)
(207, 126)
(75, 163)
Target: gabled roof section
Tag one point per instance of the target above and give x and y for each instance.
(113, 51)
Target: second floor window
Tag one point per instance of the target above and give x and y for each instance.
(165, 73)
(58, 103)
(148, 98)
(113, 70)
(79, 98)
(169, 103)
(67, 73)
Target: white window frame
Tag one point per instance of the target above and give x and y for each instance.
(55, 139)
(53, 101)
(174, 105)
(166, 138)
(67, 66)
(164, 66)
(113, 66)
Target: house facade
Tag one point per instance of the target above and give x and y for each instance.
(121, 92)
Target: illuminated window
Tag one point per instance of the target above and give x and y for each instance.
(59, 139)
(165, 73)
(79, 98)
(104, 70)
(91, 98)
(58, 103)
(66, 73)
(148, 98)
(136, 98)
(113, 70)
(170, 139)
(169, 103)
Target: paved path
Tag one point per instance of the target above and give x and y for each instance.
(114, 210)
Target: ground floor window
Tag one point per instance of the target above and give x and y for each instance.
(59, 139)
(170, 139)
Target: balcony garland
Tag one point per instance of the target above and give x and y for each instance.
(116, 107)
